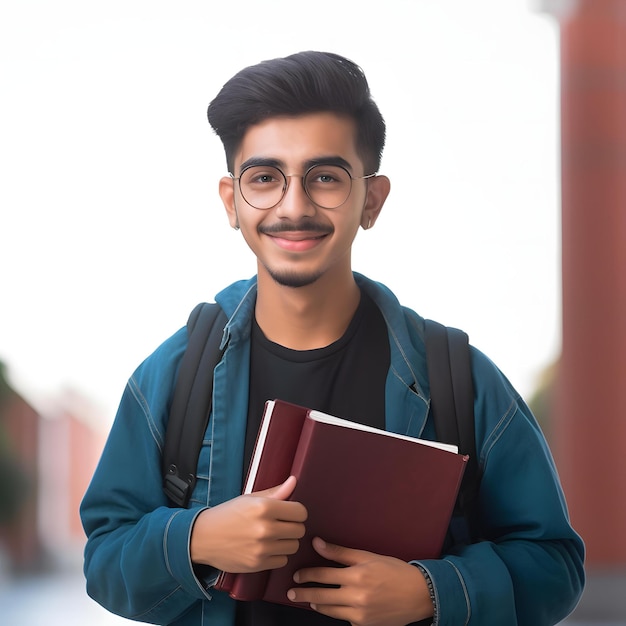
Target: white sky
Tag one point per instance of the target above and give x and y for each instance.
(111, 227)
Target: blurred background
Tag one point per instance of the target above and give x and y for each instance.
(506, 149)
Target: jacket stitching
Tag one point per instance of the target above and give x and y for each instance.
(242, 301)
(145, 407)
(498, 431)
(165, 552)
(465, 593)
(152, 609)
(404, 354)
(210, 473)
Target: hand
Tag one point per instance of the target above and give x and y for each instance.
(373, 590)
(250, 533)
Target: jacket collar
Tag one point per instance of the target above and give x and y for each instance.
(405, 327)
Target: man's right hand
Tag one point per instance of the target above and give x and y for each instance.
(250, 533)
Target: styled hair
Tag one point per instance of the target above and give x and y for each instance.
(302, 83)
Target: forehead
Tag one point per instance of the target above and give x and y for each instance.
(300, 139)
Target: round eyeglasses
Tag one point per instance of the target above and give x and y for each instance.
(327, 186)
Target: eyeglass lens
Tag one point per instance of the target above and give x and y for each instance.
(263, 187)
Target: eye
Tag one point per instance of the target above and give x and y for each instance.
(325, 178)
(261, 176)
(327, 175)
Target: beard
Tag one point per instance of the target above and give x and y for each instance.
(293, 278)
(290, 278)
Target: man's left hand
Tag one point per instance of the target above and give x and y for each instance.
(373, 590)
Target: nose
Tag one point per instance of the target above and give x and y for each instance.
(295, 204)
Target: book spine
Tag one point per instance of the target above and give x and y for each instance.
(278, 580)
(249, 587)
(300, 457)
(225, 581)
(254, 586)
(276, 456)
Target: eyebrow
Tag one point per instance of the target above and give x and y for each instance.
(278, 163)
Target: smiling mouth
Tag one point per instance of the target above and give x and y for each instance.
(297, 241)
(297, 236)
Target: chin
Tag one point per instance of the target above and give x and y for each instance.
(293, 279)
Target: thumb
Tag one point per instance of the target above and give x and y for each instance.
(279, 492)
(339, 554)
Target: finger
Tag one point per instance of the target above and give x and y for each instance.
(289, 530)
(279, 492)
(333, 576)
(340, 613)
(285, 547)
(285, 490)
(318, 596)
(289, 512)
(340, 554)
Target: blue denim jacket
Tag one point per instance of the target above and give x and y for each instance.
(137, 561)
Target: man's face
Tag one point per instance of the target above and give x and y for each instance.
(296, 241)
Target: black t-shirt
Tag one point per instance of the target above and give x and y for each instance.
(346, 379)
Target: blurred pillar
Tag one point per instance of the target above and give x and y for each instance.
(19, 423)
(590, 419)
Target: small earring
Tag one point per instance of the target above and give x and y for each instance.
(236, 226)
(369, 223)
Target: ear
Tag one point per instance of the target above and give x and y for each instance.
(227, 194)
(377, 191)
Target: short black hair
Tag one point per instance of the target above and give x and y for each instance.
(305, 82)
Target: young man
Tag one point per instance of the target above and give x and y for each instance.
(303, 141)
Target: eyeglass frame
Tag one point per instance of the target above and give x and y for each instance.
(302, 178)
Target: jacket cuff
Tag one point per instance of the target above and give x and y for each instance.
(447, 583)
(177, 552)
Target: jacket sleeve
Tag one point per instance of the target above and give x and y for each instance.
(137, 560)
(528, 568)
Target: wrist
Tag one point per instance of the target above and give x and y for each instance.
(200, 544)
(431, 590)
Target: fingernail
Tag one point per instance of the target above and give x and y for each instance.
(296, 577)
(291, 594)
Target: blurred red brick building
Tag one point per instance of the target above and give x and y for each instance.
(49, 455)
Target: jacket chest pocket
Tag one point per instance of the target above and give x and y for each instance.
(200, 495)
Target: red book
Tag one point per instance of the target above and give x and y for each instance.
(363, 488)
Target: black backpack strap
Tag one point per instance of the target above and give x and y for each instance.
(191, 404)
(452, 405)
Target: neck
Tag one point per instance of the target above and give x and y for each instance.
(305, 318)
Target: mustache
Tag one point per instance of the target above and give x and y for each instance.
(291, 227)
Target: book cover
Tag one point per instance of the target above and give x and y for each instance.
(270, 465)
(363, 488)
